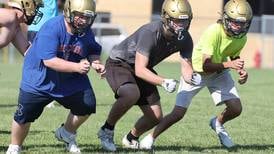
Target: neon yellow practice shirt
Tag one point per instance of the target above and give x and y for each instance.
(218, 45)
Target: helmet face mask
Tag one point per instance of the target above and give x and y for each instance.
(82, 21)
(80, 15)
(237, 18)
(178, 27)
(35, 19)
(176, 16)
(236, 28)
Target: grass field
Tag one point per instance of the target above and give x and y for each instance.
(253, 131)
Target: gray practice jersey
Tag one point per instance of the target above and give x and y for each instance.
(150, 42)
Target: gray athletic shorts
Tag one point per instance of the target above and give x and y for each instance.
(220, 85)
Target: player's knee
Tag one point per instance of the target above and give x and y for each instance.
(129, 92)
(237, 110)
(157, 118)
(235, 107)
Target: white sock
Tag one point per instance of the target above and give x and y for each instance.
(13, 146)
(150, 135)
(67, 134)
(218, 124)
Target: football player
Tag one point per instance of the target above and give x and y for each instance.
(217, 52)
(130, 73)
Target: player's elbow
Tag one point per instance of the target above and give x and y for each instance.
(49, 63)
(206, 69)
(10, 18)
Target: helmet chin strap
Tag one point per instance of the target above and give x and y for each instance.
(180, 34)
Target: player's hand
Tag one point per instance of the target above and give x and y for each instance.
(83, 66)
(237, 64)
(196, 79)
(243, 76)
(169, 85)
(99, 68)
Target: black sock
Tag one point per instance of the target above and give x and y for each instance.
(108, 126)
(131, 137)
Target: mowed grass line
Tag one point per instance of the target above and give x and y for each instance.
(252, 131)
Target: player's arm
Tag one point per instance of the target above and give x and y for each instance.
(210, 67)
(186, 69)
(61, 65)
(20, 42)
(94, 57)
(8, 27)
(96, 64)
(143, 72)
(242, 72)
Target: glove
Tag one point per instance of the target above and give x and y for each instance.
(169, 85)
(196, 79)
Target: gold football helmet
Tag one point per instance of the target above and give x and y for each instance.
(237, 17)
(176, 16)
(29, 8)
(84, 9)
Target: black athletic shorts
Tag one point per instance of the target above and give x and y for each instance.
(119, 73)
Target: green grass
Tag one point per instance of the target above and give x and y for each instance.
(252, 131)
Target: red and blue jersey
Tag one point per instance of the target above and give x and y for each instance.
(52, 41)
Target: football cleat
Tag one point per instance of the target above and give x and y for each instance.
(70, 139)
(147, 142)
(224, 137)
(134, 144)
(106, 137)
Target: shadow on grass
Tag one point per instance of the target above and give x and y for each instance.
(91, 148)
(185, 148)
(4, 132)
(87, 148)
(7, 105)
(3, 148)
(30, 132)
(254, 147)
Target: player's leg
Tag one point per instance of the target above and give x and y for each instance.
(223, 91)
(30, 107)
(185, 94)
(121, 79)
(81, 105)
(233, 109)
(128, 95)
(152, 116)
(149, 103)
